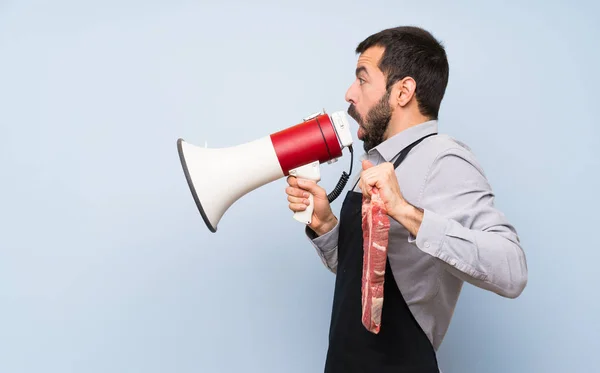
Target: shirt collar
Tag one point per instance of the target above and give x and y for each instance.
(395, 144)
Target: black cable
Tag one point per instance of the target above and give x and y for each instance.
(335, 193)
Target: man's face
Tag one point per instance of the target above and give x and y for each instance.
(369, 100)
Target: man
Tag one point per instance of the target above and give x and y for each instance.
(444, 229)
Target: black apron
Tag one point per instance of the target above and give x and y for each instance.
(401, 346)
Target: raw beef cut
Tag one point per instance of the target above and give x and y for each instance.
(375, 227)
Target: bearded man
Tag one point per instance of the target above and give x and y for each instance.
(444, 227)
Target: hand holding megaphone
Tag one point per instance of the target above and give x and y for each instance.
(310, 203)
(219, 177)
(309, 172)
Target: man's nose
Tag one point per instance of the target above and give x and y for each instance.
(349, 95)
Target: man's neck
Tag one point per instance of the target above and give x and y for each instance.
(407, 121)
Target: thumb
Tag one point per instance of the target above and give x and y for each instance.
(367, 164)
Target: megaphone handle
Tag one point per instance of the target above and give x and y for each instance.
(306, 215)
(312, 172)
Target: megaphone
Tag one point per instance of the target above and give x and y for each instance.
(218, 177)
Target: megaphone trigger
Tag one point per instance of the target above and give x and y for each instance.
(310, 171)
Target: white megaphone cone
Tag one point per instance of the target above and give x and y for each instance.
(219, 177)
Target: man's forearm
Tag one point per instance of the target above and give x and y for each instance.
(409, 216)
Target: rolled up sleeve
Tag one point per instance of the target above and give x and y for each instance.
(462, 227)
(326, 246)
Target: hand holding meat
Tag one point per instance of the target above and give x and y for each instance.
(383, 177)
(323, 219)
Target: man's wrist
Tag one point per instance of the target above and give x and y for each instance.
(326, 226)
(409, 216)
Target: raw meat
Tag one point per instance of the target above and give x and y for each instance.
(375, 226)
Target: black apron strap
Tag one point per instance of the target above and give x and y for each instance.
(402, 154)
(406, 150)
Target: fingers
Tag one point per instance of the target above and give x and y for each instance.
(298, 200)
(310, 186)
(307, 185)
(373, 176)
(365, 188)
(295, 207)
(369, 178)
(292, 181)
(296, 192)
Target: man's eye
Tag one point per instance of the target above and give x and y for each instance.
(361, 80)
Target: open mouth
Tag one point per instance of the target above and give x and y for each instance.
(361, 131)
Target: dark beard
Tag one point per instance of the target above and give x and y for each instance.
(376, 123)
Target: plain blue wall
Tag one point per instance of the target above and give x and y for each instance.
(105, 263)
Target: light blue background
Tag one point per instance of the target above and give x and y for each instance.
(105, 263)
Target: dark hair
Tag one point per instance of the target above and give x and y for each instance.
(412, 51)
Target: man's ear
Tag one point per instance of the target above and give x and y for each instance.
(404, 90)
